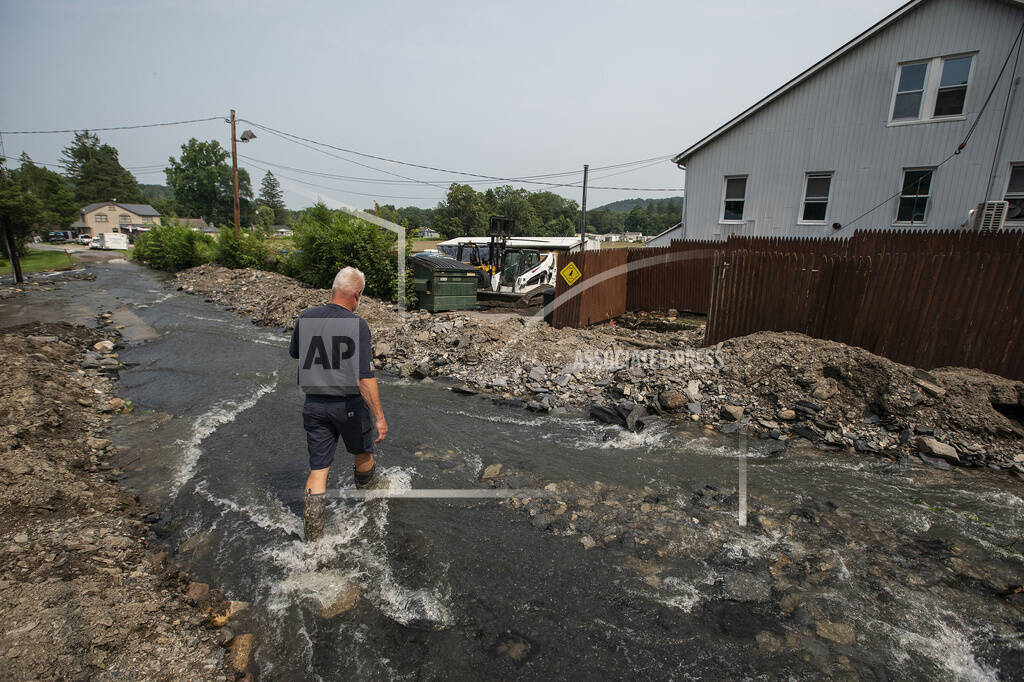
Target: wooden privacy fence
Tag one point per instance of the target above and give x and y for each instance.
(615, 281)
(925, 298)
(942, 305)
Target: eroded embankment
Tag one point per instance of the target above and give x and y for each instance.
(781, 386)
(81, 593)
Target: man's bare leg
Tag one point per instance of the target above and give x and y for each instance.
(317, 481)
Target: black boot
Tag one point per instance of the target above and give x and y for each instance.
(313, 516)
(365, 480)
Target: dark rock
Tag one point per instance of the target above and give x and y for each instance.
(605, 414)
(864, 446)
(464, 390)
(693, 408)
(809, 405)
(633, 419)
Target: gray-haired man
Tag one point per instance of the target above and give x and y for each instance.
(335, 356)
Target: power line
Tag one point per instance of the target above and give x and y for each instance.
(342, 189)
(131, 127)
(297, 139)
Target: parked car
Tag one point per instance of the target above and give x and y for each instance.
(94, 243)
(84, 239)
(59, 237)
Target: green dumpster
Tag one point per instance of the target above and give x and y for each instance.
(443, 283)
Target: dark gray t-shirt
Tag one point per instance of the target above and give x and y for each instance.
(304, 344)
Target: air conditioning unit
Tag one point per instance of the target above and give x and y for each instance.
(990, 216)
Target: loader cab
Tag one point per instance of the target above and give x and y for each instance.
(517, 262)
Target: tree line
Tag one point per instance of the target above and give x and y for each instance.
(466, 212)
(199, 185)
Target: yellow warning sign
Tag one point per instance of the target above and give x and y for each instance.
(571, 273)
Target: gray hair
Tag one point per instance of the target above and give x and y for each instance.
(349, 281)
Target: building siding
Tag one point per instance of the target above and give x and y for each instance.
(837, 121)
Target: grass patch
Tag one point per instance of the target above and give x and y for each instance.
(39, 261)
(428, 244)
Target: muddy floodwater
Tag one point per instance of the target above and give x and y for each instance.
(622, 555)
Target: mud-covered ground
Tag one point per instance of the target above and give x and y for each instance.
(81, 594)
(781, 386)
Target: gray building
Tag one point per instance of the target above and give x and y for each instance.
(866, 137)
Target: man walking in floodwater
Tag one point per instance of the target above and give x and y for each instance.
(333, 347)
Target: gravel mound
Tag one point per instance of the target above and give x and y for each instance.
(80, 593)
(269, 298)
(784, 386)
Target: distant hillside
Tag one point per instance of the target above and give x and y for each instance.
(627, 205)
(156, 192)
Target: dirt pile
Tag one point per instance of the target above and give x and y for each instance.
(783, 386)
(269, 298)
(80, 593)
(841, 395)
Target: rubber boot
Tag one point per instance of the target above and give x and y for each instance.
(365, 480)
(313, 516)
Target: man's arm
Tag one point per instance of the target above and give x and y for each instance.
(368, 389)
(293, 347)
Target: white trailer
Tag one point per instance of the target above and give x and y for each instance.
(113, 240)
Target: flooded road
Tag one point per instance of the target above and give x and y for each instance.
(631, 563)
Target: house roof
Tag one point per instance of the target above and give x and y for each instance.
(137, 209)
(681, 158)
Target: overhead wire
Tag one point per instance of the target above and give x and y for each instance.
(128, 127)
(532, 179)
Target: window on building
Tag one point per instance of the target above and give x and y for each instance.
(1015, 194)
(124, 218)
(101, 217)
(952, 92)
(931, 89)
(913, 206)
(816, 193)
(909, 91)
(734, 197)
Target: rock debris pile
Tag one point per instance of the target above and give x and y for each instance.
(783, 386)
(80, 593)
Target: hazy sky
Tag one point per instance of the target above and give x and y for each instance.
(504, 89)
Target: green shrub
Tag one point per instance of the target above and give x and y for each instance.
(173, 247)
(326, 241)
(249, 251)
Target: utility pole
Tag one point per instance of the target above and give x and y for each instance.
(583, 222)
(234, 174)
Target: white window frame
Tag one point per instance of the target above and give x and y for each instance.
(1016, 195)
(725, 184)
(101, 217)
(932, 77)
(928, 203)
(803, 199)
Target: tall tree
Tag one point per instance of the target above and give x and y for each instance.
(58, 206)
(272, 197)
(95, 172)
(461, 213)
(19, 214)
(202, 186)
